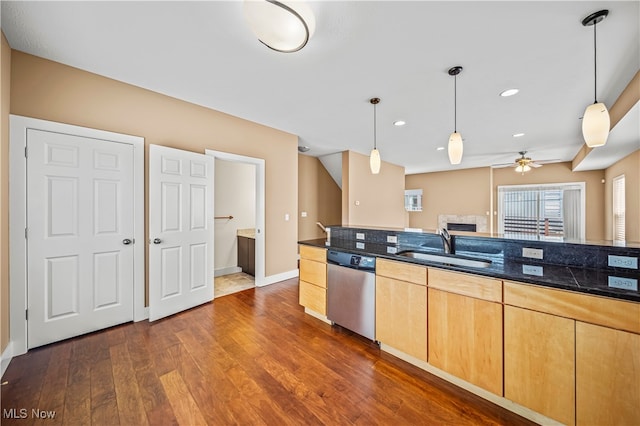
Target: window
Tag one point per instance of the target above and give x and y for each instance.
(619, 208)
(554, 211)
(413, 200)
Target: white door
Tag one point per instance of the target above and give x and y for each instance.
(180, 230)
(80, 227)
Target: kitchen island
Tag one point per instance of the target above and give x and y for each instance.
(553, 338)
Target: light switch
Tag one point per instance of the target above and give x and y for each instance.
(286, 217)
(303, 214)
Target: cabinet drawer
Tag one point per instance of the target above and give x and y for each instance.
(313, 272)
(466, 285)
(313, 253)
(402, 271)
(313, 297)
(591, 309)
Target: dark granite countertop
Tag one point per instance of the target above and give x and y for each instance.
(584, 280)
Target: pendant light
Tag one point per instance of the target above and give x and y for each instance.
(595, 122)
(374, 158)
(455, 140)
(284, 26)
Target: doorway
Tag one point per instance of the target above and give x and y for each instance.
(238, 215)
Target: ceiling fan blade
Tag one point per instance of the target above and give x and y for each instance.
(500, 166)
(532, 164)
(549, 161)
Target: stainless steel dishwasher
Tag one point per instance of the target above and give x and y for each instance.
(351, 292)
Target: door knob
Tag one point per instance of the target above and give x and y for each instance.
(126, 241)
(157, 241)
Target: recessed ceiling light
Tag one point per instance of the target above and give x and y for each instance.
(440, 148)
(399, 123)
(518, 135)
(509, 92)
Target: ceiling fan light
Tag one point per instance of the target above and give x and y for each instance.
(595, 125)
(374, 161)
(522, 168)
(455, 148)
(284, 26)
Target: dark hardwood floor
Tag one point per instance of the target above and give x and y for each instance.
(249, 358)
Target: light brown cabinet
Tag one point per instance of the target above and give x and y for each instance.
(572, 357)
(539, 362)
(465, 327)
(401, 307)
(313, 279)
(607, 376)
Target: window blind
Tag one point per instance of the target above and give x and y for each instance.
(619, 208)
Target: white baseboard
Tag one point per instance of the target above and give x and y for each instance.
(271, 279)
(498, 400)
(7, 356)
(226, 271)
(317, 315)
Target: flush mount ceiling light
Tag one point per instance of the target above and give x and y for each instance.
(518, 135)
(284, 26)
(374, 158)
(399, 123)
(509, 92)
(455, 140)
(595, 122)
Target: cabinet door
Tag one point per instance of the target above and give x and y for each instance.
(313, 297)
(313, 272)
(401, 316)
(465, 338)
(539, 362)
(242, 253)
(251, 256)
(607, 376)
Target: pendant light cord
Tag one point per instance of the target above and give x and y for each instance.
(374, 126)
(595, 66)
(455, 103)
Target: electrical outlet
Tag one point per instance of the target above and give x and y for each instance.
(360, 246)
(623, 283)
(532, 253)
(532, 270)
(623, 262)
(359, 236)
(392, 250)
(392, 239)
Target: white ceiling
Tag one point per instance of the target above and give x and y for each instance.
(203, 52)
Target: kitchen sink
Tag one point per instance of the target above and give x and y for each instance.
(447, 259)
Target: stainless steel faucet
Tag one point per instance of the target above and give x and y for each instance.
(446, 239)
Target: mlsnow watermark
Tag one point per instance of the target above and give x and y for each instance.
(23, 413)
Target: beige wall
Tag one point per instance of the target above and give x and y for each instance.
(319, 196)
(5, 89)
(630, 167)
(452, 192)
(52, 91)
(557, 173)
(379, 198)
(468, 191)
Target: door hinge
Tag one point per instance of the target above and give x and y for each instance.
(26, 314)
(26, 233)
(25, 152)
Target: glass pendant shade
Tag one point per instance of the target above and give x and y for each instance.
(374, 161)
(522, 169)
(455, 148)
(595, 125)
(284, 26)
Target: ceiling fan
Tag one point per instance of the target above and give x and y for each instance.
(523, 164)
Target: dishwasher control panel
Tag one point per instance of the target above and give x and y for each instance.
(350, 260)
